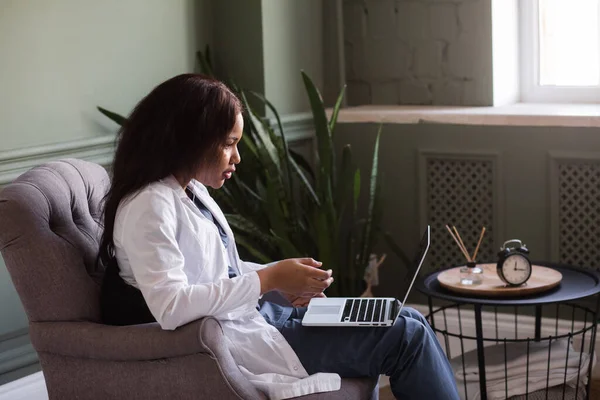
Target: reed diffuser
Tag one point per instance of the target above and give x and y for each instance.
(470, 274)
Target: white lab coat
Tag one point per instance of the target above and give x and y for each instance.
(170, 251)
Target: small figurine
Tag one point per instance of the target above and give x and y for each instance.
(371, 276)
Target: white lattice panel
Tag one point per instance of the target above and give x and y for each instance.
(459, 192)
(578, 213)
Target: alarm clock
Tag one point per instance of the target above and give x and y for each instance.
(514, 267)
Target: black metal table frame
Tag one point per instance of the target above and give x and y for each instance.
(535, 301)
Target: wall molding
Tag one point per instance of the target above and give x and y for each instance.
(14, 162)
(298, 126)
(100, 149)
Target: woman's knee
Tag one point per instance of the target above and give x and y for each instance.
(410, 329)
(414, 314)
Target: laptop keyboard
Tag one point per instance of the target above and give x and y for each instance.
(364, 310)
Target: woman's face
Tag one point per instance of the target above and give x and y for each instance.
(215, 174)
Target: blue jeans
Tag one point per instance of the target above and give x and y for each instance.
(408, 352)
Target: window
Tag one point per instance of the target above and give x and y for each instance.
(560, 51)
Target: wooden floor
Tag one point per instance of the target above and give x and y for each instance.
(386, 394)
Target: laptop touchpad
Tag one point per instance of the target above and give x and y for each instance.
(327, 310)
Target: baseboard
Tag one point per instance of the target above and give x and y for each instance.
(16, 352)
(506, 328)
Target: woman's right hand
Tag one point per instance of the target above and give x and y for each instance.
(300, 276)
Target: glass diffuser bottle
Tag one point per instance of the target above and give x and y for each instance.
(471, 274)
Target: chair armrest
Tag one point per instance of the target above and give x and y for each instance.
(144, 342)
(122, 343)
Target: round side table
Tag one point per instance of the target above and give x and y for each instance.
(577, 284)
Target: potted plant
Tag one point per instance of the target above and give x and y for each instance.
(281, 206)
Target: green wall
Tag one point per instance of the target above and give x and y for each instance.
(61, 58)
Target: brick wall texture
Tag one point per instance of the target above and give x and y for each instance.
(417, 51)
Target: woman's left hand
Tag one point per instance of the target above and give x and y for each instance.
(300, 301)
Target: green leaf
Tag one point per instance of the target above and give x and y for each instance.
(336, 110)
(287, 247)
(204, 61)
(394, 246)
(119, 119)
(367, 238)
(247, 190)
(208, 57)
(285, 158)
(324, 242)
(345, 178)
(259, 128)
(301, 161)
(260, 256)
(305, 182)
(275, 113)
(324, 142)
(247, 142)
(356, 190)
(247, 227)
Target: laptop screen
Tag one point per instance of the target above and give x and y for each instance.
(412, 270)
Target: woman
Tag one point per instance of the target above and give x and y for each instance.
(172, 258)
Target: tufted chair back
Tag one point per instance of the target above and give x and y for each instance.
(50, 229)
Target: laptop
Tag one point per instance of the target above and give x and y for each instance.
(366, 311)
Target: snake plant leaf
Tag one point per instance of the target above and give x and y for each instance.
(250, 229)
(208, 56)
(324, 142)
(288, 248)
(248, 190)
(327, 249)
(336, 110)
(205, 62)
(248, 143)
(258, 127)
(367, 239)
(271, 107)
(391, 243)
(284, 152)
(301, 168)
(119, 119)
(356, 191)
(251, 248)
(307, 185)
(301, 161)
(275, 206)
(345, 178)
(224, 197)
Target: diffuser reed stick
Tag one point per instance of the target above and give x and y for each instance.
(479, 243)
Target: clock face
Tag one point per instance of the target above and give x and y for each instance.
(516, 269)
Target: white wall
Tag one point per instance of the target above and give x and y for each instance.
(61, 58)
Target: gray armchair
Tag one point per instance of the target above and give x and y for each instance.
(51, 226)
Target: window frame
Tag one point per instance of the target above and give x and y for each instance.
(531, 90)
